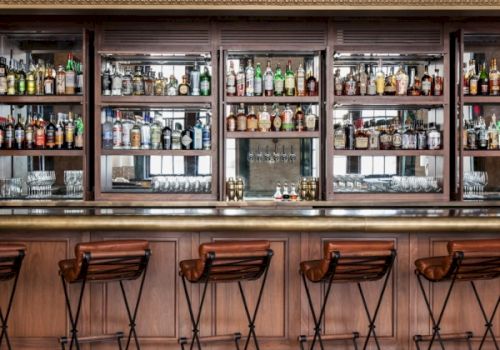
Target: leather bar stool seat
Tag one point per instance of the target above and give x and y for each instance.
(8, 251)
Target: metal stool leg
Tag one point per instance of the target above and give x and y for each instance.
(251, 319)
(73, 320)
(195, 322)
(489, 321)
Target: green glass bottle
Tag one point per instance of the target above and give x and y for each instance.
(205, 83)
(279, 82)
(289, 80)
(257, 90)
(484, 82)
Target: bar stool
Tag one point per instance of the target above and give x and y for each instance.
(348, 262)
(227, 261)
(11, 259)
(104, 261)
(467, 261)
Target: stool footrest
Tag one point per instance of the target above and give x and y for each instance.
(445, 337)
(214, 338)
(332, 337)
(94, 338)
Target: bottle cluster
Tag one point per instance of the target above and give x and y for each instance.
(476, 136)
(40, 79)
(387, 136)
(143, 81)
(235, 190)
(34, 132)
(147, 130)
(486, 82)
(306, 190)
(401, 82)
(250, 81)
(278, 119)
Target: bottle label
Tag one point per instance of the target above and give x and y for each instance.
(386, 141)
(290, 85)
(205, 88)
(422, 140)
(107, 136)
(21, 88)
(79, 141)
(249, 85)
(252, 124)
(240, 84)
(70, 82)
(138, 87)
(69, 134)
(79, 83)
(264, 121)
(372, 89)
(287, 122)
(339, 141)
(2, 138)
(434, 141)
(60, 85)
(117, 137)
(231, 82)
(241, 123)
(231, 124)
(126, 128)
(40, 137)
(29, 136)
(19, 136)
(373, 141)
(301, 86)
(183, 89)
(426, 87)
(268, 82)
(484, 89)
(278, 87)
(397, 140)
(11, 84)
(167, 141)
(258, 86)
(473, 87)
(186, 140)
(350, 88)
(311, 122)
(127, 87)
(3, 85)
(494, 86)
(59, 138)
(135, 139)
(277, 123)
(49, 87)
(207, 139)
(361, 142)
(51, 138)
(116, 86)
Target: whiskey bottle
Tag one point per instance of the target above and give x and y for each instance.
(361, 137)
(350, 84)
(390, 83)
(249, 79)
(231, 80)
(494, 79)
(194, 80)
(401, 82)
(159, 88)
(29, 133)
(205, 83)
(301, 81)
(339, 139)
(50, 133)
(397, 137)
(70, 76)
(231, 121)
(287, 119)
(3, 76)
(127, 84)
(135, 136)
(269, 80)
(257, 83)
(279, 82)
(40, 137)
(69, 132)
(264, 120)
(184, 86)
(138, 82)
(252, 122)
(19, 135)
(339, 83)
(363, 80)
(426, 83)
(493, 133)
(473, 80)
(312, 88)
(59, 134)
(372, 86)
(49, 82)
(385, 138)
(409, 138)
(166, 136)
(299, 119)
(484, 83)
(289, 80)
(349, 134)
(380, 80)
(438, 83)
(149, 82)
(60, 81)
(310, 120)
(240, 82)
(9, 133)
(241, 119)
(465, 80)
(118, 131)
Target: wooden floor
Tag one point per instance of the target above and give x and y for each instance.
(39, 315)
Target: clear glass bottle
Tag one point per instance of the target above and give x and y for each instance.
(146, 131)
(397, 136)
(301, 81)
(339, 83)
(118, 131)
(421, 135)
(166, 135)
(434, 137)
(363, 80)
(127, 126)
(240, 81)
(426, 83)
(116, 83)
(71, 80)
(207, 137)
(278, 196)
(176, 137)
(350, 84)
(249, 79)
(269, 80)
(289, 80)
(493, 133)
(60, 81)
(106, 81)
(127, 84)
(264, 120)
(409, 138)
(107, 128)
(339, 138)
(241, 119)
(373, 137)
(287, 122)
(197, 135)
(372, 85)
(194, 80)
(414, 89)
(401, 82)
(231, 80)
(279, 82)
(471, 137)
(173, 87)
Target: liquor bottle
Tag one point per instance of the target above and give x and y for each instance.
(372, 85)
(363, 80)
(338, 83)
(176, 137)
(11, 80)
(349, 134)
(231, 80)
(264, 120)
(289, 80)
(69, 132)
(397, 137)
(197, 135)
(299, 119)
(494, 79)
(401, 82)
(3, 76)
(471, 137)
(29, 133)
(49, 82)
(269, 80)
(127, 126)
(231, 121)
(249, 79)
(421, 136)
(106, 81)
(276, 121)
(207, 137)
(312, 88)
(493, 133)
(159, 88)
(70, 74)
(301, 81)
(135, 136)
(117, 131)
(293, 192)
(19, 134)
(310, 120)
(361, 137)
(145, 131)
(166, 135)
(137, 82)
(380, 79)
(373, 137)
(40, 137)
(59, 134)
(21, 79)
(414, 89)
(184, 86)
(149, 82)
(186, 139)
(287, 120)
(194, 80)
(30, 81)
(257, 83)
(252, 121)
(2, 136)
(107, 129)
(173, 88)
(279, 82)
(409, 138)
(390, 83)
(350, 84)
(426, 83)
(240, 81)
(50, 133)
(438, 83)
(278, 196)
(286, 194)
(434, 137)
(116, 83)
(385, 138)
(473, 80)
(156, 132)
(205, 83)
(9, 133)
(484, 83)
(79, 78)
(241, 119)
(60, 81)
(465, 81)
(127, 84)
(339, 137)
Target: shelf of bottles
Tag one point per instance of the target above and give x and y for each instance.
(173, 78)
(388, 149)
(388, 79)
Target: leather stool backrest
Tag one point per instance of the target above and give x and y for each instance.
(11, 256)
(234, 260)
(475, 259)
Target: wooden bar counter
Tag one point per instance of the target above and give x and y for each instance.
(39, 315)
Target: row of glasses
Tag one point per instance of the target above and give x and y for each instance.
(474, 183)
(182, 184)
(269, 157)
(40, 183)
(416, 184)
(359, 183)
(73, 180)
(11, 188)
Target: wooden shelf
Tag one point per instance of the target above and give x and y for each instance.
(481, 153)
(141, 100)
(25, 100)
(399, 152)
(390, 100)
(155, 152)
(272, 99)
(272, 135)
(481, 99)
(41, 152)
